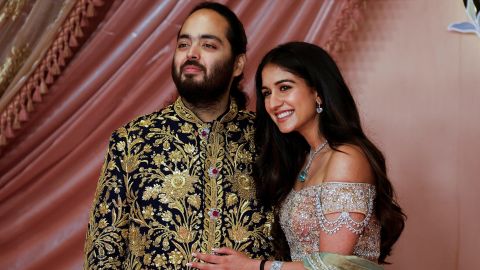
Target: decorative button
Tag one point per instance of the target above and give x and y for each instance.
(213, 171)
(204, 132)
(214, 213)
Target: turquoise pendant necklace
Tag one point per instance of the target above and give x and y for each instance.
(304, 173)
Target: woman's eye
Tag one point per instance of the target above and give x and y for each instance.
(265, 93)
(285, 87)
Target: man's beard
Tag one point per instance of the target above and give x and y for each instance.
(210, 89)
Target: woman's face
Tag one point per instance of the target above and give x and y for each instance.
(289, 100)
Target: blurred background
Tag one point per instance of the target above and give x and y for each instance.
(72, 71)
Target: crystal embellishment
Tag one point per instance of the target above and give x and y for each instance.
(214, 213)
(204, 132)
(304, 173)
(326, 208)
(213, 171)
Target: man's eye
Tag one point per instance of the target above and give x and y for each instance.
(182, 45)
(209, 46)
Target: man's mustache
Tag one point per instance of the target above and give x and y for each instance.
(193, 63)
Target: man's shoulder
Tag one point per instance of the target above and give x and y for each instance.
(149, 120)
(245, 115)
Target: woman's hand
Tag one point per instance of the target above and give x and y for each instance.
(224, 259)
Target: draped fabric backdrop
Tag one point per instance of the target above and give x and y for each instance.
(93, 65)
(59, 108)
(417, 86)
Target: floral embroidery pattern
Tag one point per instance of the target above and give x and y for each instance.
(171, 185)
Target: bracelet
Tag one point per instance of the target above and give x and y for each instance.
(262, 264)
(276, 265)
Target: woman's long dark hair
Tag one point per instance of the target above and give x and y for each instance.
(281, 156)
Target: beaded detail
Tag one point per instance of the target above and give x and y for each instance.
(303, 215)
(345, 198)
(276, 265)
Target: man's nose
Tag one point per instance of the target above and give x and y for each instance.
(193, 52)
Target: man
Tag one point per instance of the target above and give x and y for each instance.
(179, 180)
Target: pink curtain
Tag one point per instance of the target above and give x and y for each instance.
(49, 169)
(38, 39)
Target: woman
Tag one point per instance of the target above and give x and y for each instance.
(326, 180)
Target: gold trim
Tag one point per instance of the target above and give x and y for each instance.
(11, 10)
(187, 115)
(12, 64)
(51, 65)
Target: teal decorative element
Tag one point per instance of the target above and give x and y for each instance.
(302, 176)
(468, 27)
(304, 173)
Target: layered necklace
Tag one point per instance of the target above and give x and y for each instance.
(304, 173)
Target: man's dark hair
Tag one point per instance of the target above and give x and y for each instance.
(238, 42)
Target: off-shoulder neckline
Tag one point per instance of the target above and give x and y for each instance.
(332, 183)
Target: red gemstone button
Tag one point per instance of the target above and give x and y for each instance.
(214, 213)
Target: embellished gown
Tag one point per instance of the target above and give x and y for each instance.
(303, 217)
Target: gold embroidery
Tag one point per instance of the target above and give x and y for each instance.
(130, 162)
(156, 193)
(145, 123)
(194, 200)
(104, 208)
(178, 185)
(147, 259)
(232, 127)
(231, 200)
(176, 258)
(238, 233)
(189, 149)
(256, 217)
(151, 192)
(158, 159)
(137, 242)
(186, 128)
(148, 212)
(103, 223)
(160, 260)
(184, 235)
(185, 113)
(243, 185)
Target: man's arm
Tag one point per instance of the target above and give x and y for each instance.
(107, 233)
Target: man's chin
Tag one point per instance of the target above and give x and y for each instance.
(193, 77)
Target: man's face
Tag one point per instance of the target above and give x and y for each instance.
(203, 65)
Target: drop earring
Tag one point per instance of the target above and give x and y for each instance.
(319, 108)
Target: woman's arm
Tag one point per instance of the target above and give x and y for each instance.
(347, 166)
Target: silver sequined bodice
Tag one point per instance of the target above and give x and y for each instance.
(303, 217)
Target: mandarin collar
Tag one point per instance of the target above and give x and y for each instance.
(187, 115)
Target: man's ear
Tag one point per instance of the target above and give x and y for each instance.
(239, 64)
